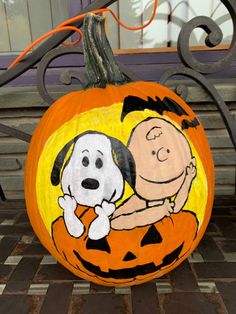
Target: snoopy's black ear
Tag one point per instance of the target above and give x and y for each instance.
(56, 170)
(125, 161)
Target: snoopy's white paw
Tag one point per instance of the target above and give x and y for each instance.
(73, 224)
(108, 208)
(100, 227)
(67, 202)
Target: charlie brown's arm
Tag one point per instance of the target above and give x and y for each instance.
(129, 206)
(183, 193)
(143, 217)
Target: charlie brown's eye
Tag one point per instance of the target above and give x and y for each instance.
(153, 152)
(85, 161)
(99, 163)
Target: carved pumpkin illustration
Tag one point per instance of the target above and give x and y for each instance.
(114, 260)
(119, 180)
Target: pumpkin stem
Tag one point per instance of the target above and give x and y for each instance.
(100, 63)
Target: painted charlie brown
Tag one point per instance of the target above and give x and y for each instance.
(165, 169)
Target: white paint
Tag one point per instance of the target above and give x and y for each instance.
(91, 178)
(91, 148)
(100, 227)
(73, 224)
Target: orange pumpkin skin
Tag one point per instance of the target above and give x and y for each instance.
(177, 228)
(128, 256)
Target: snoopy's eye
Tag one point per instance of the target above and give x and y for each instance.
(99, 163)
(85, 161)
(168, 151)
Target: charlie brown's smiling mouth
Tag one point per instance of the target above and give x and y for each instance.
(163, 182)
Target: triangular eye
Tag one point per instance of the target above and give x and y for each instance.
(151, 237)
(101, 245)
(129, 257)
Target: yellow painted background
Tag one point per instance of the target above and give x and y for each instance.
(105, 120)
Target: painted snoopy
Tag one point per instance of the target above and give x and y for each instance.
(93, 176)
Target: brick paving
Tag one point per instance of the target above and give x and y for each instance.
(31, 281)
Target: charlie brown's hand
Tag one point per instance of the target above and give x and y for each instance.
(147, 216)
(168, 207)
(191, 172)
(165, 210)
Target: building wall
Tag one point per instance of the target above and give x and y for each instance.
(164, 31)
(23, 21)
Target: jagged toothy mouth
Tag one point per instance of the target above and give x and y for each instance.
(126, 273)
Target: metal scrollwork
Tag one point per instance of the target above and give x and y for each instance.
(194, 69)
(15, 133)
(213, 39)
(66, 76)
(208, 87)
(191, 68)
(181, 89)
(128, 73)
(30, 60)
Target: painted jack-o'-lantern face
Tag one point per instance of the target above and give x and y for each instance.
(130, 253)
(119, 179)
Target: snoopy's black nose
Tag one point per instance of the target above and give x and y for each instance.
(90, 184)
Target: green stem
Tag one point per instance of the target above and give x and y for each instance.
(100, 63)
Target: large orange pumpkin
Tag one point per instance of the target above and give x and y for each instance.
(119, 179)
